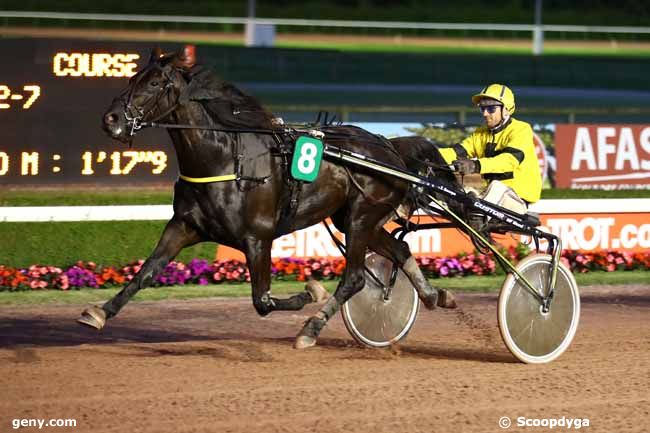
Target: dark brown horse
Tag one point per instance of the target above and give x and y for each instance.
(235, 188)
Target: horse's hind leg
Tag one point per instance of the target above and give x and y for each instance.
(258, 259)
(399, 252)
(176, 236)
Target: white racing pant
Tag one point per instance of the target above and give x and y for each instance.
(504, 196)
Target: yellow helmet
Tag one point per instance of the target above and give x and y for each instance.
(498, 92)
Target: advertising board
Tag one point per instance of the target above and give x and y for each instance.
(586, 225)
(603, 156)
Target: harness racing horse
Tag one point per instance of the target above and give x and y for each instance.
(234, 183)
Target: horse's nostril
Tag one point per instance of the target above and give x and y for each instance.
(110, 118)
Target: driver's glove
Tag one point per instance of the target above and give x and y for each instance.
(467, 166)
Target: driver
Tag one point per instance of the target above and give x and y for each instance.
(502, 151)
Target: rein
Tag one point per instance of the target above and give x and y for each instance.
(135, 115)
(211, 128)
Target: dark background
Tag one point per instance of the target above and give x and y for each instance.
(66, 118)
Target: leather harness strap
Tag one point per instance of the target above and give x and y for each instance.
(224, 178)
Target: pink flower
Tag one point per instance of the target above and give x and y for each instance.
(37, 284)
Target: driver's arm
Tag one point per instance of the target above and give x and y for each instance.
(469, 148)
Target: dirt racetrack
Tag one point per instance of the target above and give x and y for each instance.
(214, 366)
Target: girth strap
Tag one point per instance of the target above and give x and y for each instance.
(289, 201)
(224, 178)
(290, 195)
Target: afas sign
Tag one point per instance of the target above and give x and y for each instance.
(603, 156)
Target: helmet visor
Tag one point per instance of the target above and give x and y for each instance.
(484, 102)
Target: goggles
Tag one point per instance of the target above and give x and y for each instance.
(489, 108)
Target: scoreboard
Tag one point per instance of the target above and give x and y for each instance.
(53, 93)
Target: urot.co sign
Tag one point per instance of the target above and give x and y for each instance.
(603, 156)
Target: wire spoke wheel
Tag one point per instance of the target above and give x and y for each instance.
(531, 334)
(374, 321)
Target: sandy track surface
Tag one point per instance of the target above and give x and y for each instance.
(215, 366)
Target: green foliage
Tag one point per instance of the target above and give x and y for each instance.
(78, 197)
(105, 243)
(554, 193)
(449, 135)
(445, 135)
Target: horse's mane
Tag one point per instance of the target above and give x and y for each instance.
(232, 107)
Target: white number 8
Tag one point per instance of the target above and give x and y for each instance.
(307, 160)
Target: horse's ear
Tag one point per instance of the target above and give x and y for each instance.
(186, 58)
(156, 54)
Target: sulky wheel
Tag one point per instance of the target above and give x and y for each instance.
(532, 335)
(374, 321)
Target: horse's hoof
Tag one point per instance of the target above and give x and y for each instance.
(309, 333)
(304, 342)
(93, 317)
(317, 291)
(446, 299)
(430, 301)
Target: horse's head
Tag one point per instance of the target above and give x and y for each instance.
(152, 94)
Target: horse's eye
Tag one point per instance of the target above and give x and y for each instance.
(154, 84)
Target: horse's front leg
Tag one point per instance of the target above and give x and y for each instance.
(258, 259)
(176, 236)
(353, 281)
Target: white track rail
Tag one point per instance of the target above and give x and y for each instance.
(324, 23)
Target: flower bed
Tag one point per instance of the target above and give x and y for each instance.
(90, 275)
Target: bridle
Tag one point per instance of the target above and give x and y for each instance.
(134, 114)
